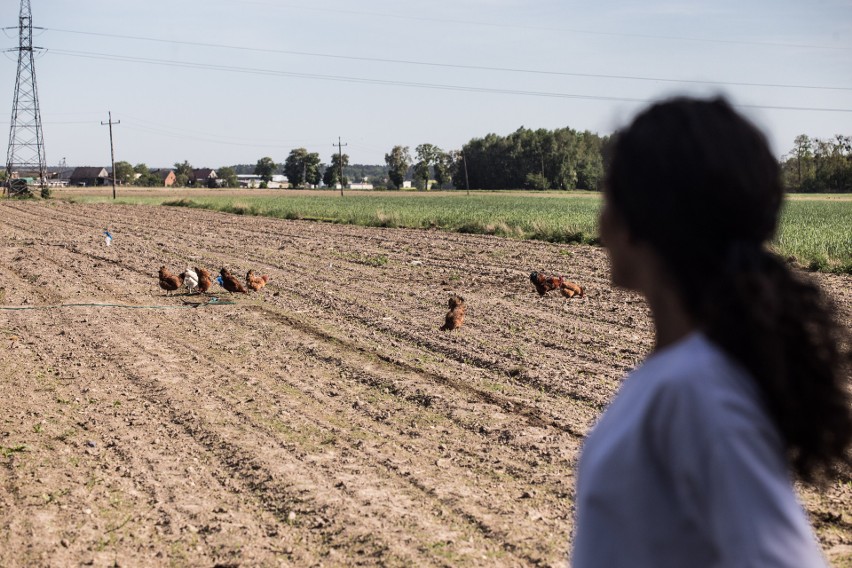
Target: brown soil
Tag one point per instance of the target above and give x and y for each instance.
(322, 421)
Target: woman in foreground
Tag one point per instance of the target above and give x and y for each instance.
(748, 384)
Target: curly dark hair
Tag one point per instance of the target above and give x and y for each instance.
(698, 183)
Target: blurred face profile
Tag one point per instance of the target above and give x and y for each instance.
(623, 253)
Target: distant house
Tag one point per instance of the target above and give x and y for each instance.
(88, 177)
(58, 176)
(360, 185)
(248, 181)
(167, 177)
(54, 176)
(205, 177)
(251, 181)
(279, 182)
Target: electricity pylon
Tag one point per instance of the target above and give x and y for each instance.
(25, 157)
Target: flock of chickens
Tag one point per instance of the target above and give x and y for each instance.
(198, 279)
(544, 284)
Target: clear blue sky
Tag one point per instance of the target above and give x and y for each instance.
(188, 102)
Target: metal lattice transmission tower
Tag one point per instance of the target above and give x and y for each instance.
(25, 157)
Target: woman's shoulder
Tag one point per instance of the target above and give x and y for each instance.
(695, 362)
(696, 381)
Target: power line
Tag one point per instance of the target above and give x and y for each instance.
(550, 28)
(166, 134)
(452, 65)
(51, 123)
(388, 82)
(207, 136)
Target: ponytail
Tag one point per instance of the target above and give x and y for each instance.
(780, 326)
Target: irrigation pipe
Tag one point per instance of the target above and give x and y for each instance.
(212, 302)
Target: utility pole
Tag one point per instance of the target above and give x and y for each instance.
(111, 149)
(466, 181)
(340, 163)
(26, 139)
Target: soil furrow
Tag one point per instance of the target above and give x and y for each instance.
(324, 421)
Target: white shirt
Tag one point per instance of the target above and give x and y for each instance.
(686, 469)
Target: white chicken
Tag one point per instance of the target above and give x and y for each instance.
(190, 279)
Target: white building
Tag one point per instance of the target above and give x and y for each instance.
(251, 181)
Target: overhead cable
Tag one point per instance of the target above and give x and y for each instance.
(389, 82)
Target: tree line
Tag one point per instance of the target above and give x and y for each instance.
(525, 159)
(817, 165)
(533, 159)
(562, 159)
(143, 176)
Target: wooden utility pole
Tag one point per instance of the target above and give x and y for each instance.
(111, 149)
(466, 181)
(340, 163)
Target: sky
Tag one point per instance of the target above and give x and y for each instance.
(222, 82)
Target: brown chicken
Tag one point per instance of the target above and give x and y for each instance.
(204, 281)
(230, 283)
(455, 317)
(168, 281)
(569, 289)
(544, 284)
(255, 282)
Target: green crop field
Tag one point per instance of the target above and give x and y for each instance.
(818, 233)
(815, 230)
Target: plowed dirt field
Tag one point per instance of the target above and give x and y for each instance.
(322, 421)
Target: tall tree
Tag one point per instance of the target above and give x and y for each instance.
(313, 169)
(803, 154)
(145, 177)
(265, 168)
(302, 167)
(590, 166)
(398, 161)
(332, 173)
(294, 167)
(426, 156)
(443, 167)
(227, 176)
(124, 173)
(422, 174)
(183, 173)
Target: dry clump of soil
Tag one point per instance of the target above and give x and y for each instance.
(322, 421)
